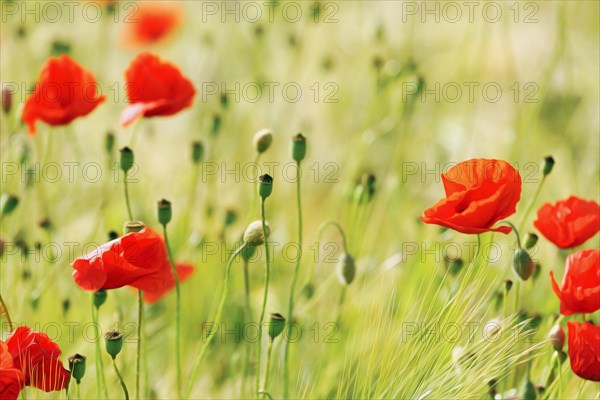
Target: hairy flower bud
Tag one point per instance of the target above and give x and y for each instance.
(253, 236)
(346, 269)
(262, 140)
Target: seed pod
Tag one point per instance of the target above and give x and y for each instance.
(114, 343)
(133, 226)
(523, 264)
(276, 325)
(77, 367)
(548, 165)
(99, 298)
(164, 212)
(298, 148)
(346, 269)
(265, 186)
(127, 159)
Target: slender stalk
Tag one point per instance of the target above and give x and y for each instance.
(77, 390)
(10, 324)
(559, 374)
(139, 343)
(293, 288)
(177, 311)
(217, 321)
(100, 380)
(268, 366)
(247, 319)
(320, 231)
(266, 294)
(531, 203)
(341, 303)
(127, 202)
(514, 230)
(120, 379)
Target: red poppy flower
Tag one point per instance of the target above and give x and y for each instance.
(584, 349)
(153, 21)
(479, 193)
(580, 291)
(184, 271)
(570, 222)
(37, 357)
(11, 378)
(136, 259)
(155, 88)
(64, 91)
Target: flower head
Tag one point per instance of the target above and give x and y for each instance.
(580, 289)
(584, 349)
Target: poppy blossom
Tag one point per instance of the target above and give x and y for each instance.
(479, 193)
(64, 91)
(580, 289)
(136, 259)
(152, 22)
(568, 223)
(37, 357)
(584, 349)
(184, 271)
(155, 88)
(11, 378)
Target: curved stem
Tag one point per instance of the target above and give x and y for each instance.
(120, 379)
(5, 309)
(127, 202)
(177, 310)
(514, 228)
(320, 231)
(217, 320)
(100, 380)
(265, 295)
(139, 343)
(293, 288)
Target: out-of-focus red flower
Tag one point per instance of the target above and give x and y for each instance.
(37, 357)
(580, 290)
(11, 378)
(136, 259)
(152, 22)
(155, 88)
(584, 349)
(479, 193)
(569, 223)
(184, 271)
(64, 91)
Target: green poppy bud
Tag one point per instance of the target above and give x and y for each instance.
(557, 337)
(346, 269)
(133, 226)
(262, 140)
(276, 325)
(114, 343)
(127, 159)
(164, 212)
(548, 165)
(99, 298)
(9, 203)
(109, 142)
(298, 147)
(253, 236)
(523, 264)
(77, 367)
(530, 240)
(265, 186)
(197, 152)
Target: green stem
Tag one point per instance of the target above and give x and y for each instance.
(514, 228)
(10, 324)
(127, 197)
(177, 311)
(341, 303)
(320, 231)
(217, 321)
(559, 374)
(100, 380)
(265, 295)
(248, 318)
(293, 288)
(139, 343)
(77, 390)
(120, 379)
(268, 366)
(531, 203)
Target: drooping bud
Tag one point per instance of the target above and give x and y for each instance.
(6, 100)
(164, 212)
(114, 343)
(99, 298)
(298, 148)
(197, 152)
(133, 226)
(523, 264)
(109, 142)
(262, 140)
(276, 325)
(265, 186)
(77, 367)
(9, 203)
(127, 159)
(346, 269)
(548, 165)
(557, 337)
(253, 236)
(530, 240)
